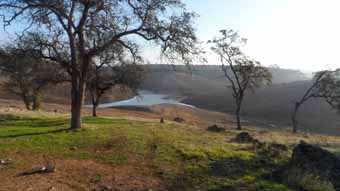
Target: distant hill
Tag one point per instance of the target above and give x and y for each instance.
(205, 87)
(214, 72)
(182, 80)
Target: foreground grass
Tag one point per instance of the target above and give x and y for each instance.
(184, 157)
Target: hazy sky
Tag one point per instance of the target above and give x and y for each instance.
(299, 34)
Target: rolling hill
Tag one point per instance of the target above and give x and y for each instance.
(205, 87)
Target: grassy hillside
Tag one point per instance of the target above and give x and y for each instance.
(134, 155)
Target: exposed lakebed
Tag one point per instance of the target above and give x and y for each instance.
(144, 99)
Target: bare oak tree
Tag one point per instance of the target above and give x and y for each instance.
(63, 29)
(241, 72)
(325, 85)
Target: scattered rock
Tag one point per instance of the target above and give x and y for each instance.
(315, 160)
(73, 148)
(215, 128)
(38, 170)
(179, 120)
(244, 137)
(106, 188)
(5, 162)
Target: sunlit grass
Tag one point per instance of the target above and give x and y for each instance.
(187, 157)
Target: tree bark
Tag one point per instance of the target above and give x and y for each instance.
(37, 100)
(94, 105)
(27, 102)
(79, 63)
(94, 98)
(77, 94)
(27, 105)
(238, 117)
(294, 117)
(94, 110)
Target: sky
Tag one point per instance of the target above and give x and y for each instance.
(296, 34)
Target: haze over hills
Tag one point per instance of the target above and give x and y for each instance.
(205, 87)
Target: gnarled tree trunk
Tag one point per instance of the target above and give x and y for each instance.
(37, 100)
(27, 102)
(77, 94)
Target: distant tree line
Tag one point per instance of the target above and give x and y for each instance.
(27, 76)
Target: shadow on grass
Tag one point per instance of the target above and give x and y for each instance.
(12, 126)
(36, 133)
(221, 175)
(8, 121)
(231, 174)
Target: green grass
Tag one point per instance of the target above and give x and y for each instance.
(185, 157)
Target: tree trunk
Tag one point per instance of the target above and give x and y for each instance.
(37, 100)
(94, 105)
(95, 97)
(294, 117)
(94, 110)
(77, 94)
(238, 117)
(27, 102)
(27, 105)
(78, 82)
(96, 101)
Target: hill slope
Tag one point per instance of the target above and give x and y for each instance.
(205, 87)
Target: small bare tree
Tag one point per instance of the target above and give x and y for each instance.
(28, 76)
(325, 85)
(102, 79)
(241, 72)
(113, 67)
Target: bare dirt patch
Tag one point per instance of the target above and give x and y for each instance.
(75, 174)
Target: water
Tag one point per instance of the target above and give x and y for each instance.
(144, 98)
